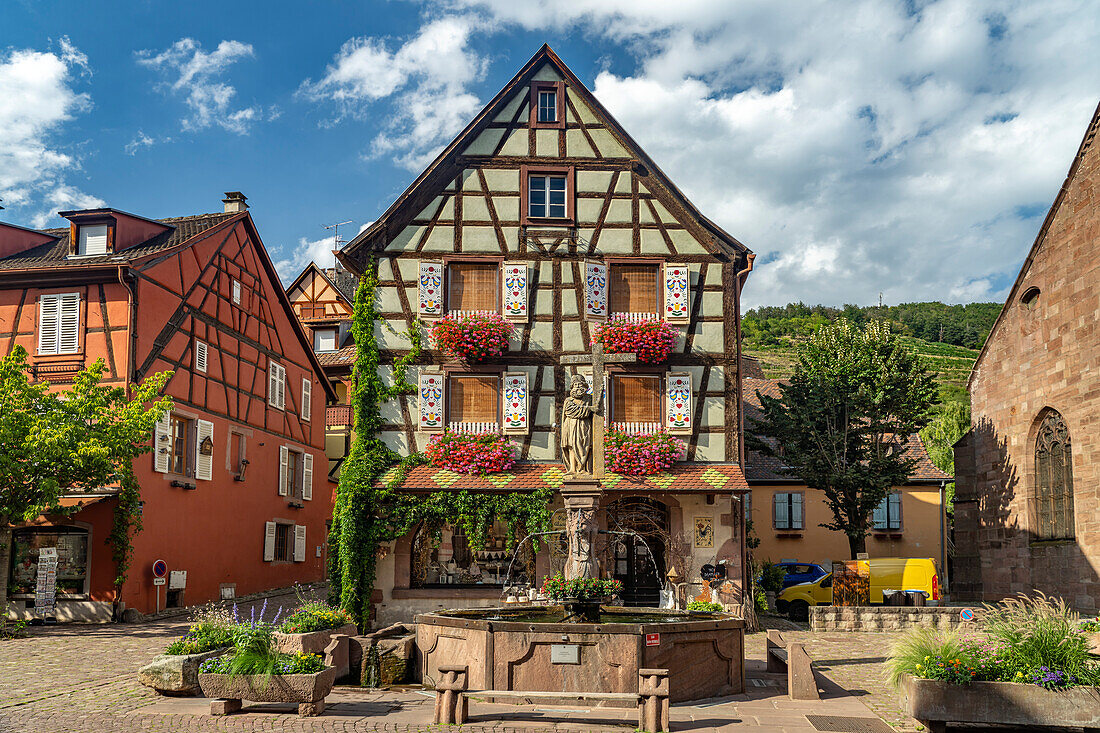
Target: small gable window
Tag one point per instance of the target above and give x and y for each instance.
(1030, 299)
(548, 105)
(91, 239)
(324, 339)
(546, 196)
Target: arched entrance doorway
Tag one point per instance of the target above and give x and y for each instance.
(638, 556)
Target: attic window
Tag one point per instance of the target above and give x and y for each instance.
(1030, 299)
(547, 104)
(91, 239)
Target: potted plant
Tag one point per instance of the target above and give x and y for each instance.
(176, 672)
(473, 453)
(641, 455)
(651, 340)
(581, 596)
(771, 580)
(472, 337)
(257, 671)
(310, 627)
(1031, 668)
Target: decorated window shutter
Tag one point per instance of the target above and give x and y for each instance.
(204, 450)
(430, 402)
(796, 511)
(595, 290)
(284, 458)
(307, 477)
(515, 402)
(307, 398)
(880, 515)
(68, 339)
(515, 291)
(161, 441)
(430, 289)
(299, 543)
(48, 323)
(678, 403)
(269, 541)
(201, 354)
(677, 295)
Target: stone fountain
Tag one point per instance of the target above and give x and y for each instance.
(542, 648)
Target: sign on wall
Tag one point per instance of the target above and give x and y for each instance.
(704, 532)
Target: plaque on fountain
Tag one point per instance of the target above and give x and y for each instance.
(565, 653)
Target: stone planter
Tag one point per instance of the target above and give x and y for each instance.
(935, 704)
(308, 690)
(176, 674)
(313, 642)
(1094, 642)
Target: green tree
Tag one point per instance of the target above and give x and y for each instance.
(845, 417)
(950, 422)
(58, 442)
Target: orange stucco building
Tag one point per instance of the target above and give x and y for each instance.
(230, 493)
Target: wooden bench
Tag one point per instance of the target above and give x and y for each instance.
(791, 657)
(452, 697)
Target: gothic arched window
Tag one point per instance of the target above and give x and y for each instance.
(1053, 494)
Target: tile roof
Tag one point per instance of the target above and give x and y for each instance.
(693, 477)
(760, 468)
(341, 357)
(55, 254)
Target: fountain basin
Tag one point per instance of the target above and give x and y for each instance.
(531, 649)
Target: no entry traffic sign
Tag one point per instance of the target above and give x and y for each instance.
(160, 569)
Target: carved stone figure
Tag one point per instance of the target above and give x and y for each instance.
(576, 429)
(581, 531)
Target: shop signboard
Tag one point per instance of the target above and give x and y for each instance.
(45, 591)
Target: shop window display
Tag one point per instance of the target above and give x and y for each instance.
(72, 559)
(443, 557)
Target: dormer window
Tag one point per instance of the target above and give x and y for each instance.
(91, 239)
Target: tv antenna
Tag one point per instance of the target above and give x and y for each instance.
(336, 241)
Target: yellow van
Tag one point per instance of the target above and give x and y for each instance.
(887, 573)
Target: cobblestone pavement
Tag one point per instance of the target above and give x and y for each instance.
(82, 678)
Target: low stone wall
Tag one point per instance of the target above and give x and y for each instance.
(883, 618)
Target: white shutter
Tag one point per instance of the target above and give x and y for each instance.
(515, 291)
(201, 353)
(161, 440)
(515, 402)
(429, 289)
(678, 415)
(282, 386)
(204, 463)
(92, 240)
(276, 385)
(677, 293)
(284, 459)
(307, 476)
(269, 541)
(307, 398)
(595, 290)
(48, 323)
(236, 288)
(299, 543)
(430, 402)
(68, 339)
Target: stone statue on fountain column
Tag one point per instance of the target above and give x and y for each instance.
(576, 429)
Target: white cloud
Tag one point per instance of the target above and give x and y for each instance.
(318, 251)
(141, 140)
(198, 76)
(857, 146)
(427, 79)
(37, 96)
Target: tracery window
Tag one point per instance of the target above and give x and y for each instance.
(1052, 498)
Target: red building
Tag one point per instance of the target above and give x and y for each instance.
(231, 495)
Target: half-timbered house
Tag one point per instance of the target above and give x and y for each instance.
(230, 499)
(546, 211)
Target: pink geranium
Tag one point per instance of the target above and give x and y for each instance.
(651, 340)
(473, 453)
(473, 336)
(641, 455)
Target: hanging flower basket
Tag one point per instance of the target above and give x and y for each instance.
(473, 453)
(650, 339)
(641, 455)
(472, 337)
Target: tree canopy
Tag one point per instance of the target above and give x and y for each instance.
(844, 419)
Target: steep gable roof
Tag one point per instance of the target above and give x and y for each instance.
(341, 285)
(1086, 144)
(448, 165)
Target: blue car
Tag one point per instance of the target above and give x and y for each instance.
(800, 572)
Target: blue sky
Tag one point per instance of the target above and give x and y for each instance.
(858, 147)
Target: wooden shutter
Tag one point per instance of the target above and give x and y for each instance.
(299, 543)
(472, 286)
(307, 398)
(473, 398)
(272, 384)
(636, 399)
(796, 510)
(200, 356)
(780, 512)
(430, 403)
(633, 288)
(307, 476)
(269, 541)
(881, 514)
(429, 289)
(678, 415)
(895, 510)
(204, 462)
(677, 293)
(595, 290)
(48, 323)
(92, 240)
(515, 402)
(68, 339)
(515, 291)
(284, 458)
(162, 440)
(236, 290)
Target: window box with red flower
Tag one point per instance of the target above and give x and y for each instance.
(650, 339)
(641, 455)
(472, 337)
(472, 453)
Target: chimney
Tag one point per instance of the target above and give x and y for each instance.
(235, 202)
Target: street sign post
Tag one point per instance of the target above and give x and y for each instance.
(160, 569)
